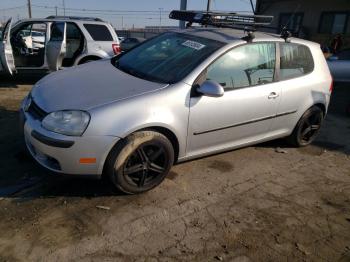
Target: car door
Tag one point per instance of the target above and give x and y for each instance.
(246, 110)
(6, 53)
(56, 47)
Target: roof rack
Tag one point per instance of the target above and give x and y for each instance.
(75, 18)
(222, 19)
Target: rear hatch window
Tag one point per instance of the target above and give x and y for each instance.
(99, 32)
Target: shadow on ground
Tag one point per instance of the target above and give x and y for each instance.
(15, 81)
(21, 176)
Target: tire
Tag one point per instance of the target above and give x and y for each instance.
(307, 128)
(140, 162)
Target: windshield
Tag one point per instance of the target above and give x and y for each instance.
(167, 58)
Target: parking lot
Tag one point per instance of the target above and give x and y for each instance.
(268, 202)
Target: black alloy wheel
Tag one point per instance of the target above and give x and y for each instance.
(310, 127)
(145, 164)
(307, 128)
(140, 162)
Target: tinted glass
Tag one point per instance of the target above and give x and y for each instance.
(339, 23)
(296, 60)
(72, 31)
(326, 23)
(247, 65)
(57, 32)
(167, 58)
(333, 23)
(98, 32)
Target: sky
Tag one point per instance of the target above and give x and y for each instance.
(121, 13)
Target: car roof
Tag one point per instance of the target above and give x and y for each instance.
(61, 20)
(229, 35)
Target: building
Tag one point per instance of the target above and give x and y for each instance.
(317, 20)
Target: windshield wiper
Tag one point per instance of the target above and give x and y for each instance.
(138, 74)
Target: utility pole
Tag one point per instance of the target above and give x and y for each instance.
(183, 6)
(160, 18)
(253, 9)
(29, 9)
(208, 5)
(56, 10)
(64, 8)
(122, 22)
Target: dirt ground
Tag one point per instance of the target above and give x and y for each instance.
(252, 204)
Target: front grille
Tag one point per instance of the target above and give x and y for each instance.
(36, 112)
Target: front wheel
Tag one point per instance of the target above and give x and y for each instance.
(140, 162)
(307, 128)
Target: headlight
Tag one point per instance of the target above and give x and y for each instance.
(70, 123)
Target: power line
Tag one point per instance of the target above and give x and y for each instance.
(102, 10)
(11, 8)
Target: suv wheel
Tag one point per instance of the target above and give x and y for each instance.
(307, 128)
(140, 162)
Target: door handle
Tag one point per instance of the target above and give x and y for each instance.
(273, 95)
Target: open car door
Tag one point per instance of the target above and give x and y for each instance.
(56, 47)
(6, 54)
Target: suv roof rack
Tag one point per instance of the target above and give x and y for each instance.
(222, 19)
(75, 18)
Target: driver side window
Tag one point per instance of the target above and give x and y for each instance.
(244, 66)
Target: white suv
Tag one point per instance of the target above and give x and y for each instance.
(55, 42)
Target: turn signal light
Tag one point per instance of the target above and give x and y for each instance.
(87, 160)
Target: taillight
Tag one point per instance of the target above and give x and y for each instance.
(331, 87)
(116, 49)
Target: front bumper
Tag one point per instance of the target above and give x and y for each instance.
(66, 154)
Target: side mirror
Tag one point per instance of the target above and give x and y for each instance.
(211, 88)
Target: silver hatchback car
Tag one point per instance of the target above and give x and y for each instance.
(179, 96)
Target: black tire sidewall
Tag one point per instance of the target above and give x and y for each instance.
(297, 132)
(123, 150)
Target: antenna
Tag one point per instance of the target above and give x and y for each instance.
(285, 33)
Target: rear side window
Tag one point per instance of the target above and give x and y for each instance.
(296, 60)
(57, 32)
(244, 66)
(99, 32)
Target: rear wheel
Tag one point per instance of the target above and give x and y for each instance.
(307, 128)
(140, 162)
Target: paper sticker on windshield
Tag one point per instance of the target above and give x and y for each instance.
(193, 44)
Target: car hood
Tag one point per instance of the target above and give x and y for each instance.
(87, 86)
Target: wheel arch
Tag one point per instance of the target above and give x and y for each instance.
(88, 57)
(322, 107)
(160, 129)
(168, 134)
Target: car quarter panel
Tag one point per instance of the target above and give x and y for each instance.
(167, 108)
(301, 93)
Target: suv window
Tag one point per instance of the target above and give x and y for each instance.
(243, 66)
(57, 32)
(296, 60)
(99, 32)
